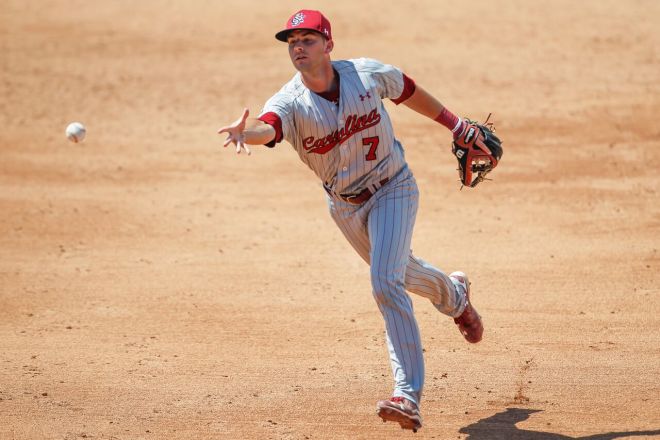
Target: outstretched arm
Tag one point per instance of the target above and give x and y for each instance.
(424, 103)
(244, 131)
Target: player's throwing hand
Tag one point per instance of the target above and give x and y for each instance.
(235, 133)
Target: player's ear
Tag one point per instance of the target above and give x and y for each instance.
(329, 45)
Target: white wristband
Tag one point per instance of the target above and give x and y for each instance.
(458, 125)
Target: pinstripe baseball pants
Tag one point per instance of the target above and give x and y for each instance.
(380, 230)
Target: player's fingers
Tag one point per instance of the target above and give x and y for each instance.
(246, 113)
(238, 148)
(241, 144)
(223, 130)
(228, 141)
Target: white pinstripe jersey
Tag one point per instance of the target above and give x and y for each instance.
(349, 145)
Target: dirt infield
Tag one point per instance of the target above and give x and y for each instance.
(154, 285)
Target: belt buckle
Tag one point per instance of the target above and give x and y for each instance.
(358, 199)
(353, 199)
(349, 199)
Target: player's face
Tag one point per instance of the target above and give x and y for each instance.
(308, 49)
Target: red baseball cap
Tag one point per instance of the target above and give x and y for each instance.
(306, 19)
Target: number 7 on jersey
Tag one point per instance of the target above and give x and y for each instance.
(373, 144)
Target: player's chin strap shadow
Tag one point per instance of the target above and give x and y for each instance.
(502, 426)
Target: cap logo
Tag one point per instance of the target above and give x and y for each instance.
(297, 19)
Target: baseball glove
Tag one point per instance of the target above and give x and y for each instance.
(478, 150)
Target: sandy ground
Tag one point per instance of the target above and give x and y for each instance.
(155, 285)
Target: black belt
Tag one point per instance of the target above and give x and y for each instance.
(361, 197)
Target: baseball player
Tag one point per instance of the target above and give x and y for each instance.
(332, 113)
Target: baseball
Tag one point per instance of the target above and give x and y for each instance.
(75, 132)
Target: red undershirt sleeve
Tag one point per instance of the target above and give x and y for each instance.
(273, 119)
(408, 90)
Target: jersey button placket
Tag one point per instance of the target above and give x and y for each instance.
(343, 156)
(343, 150)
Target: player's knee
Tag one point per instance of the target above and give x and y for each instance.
(380, 279)
(386, 287)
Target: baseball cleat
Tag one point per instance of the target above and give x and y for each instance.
(469, 323)
(400, 410)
